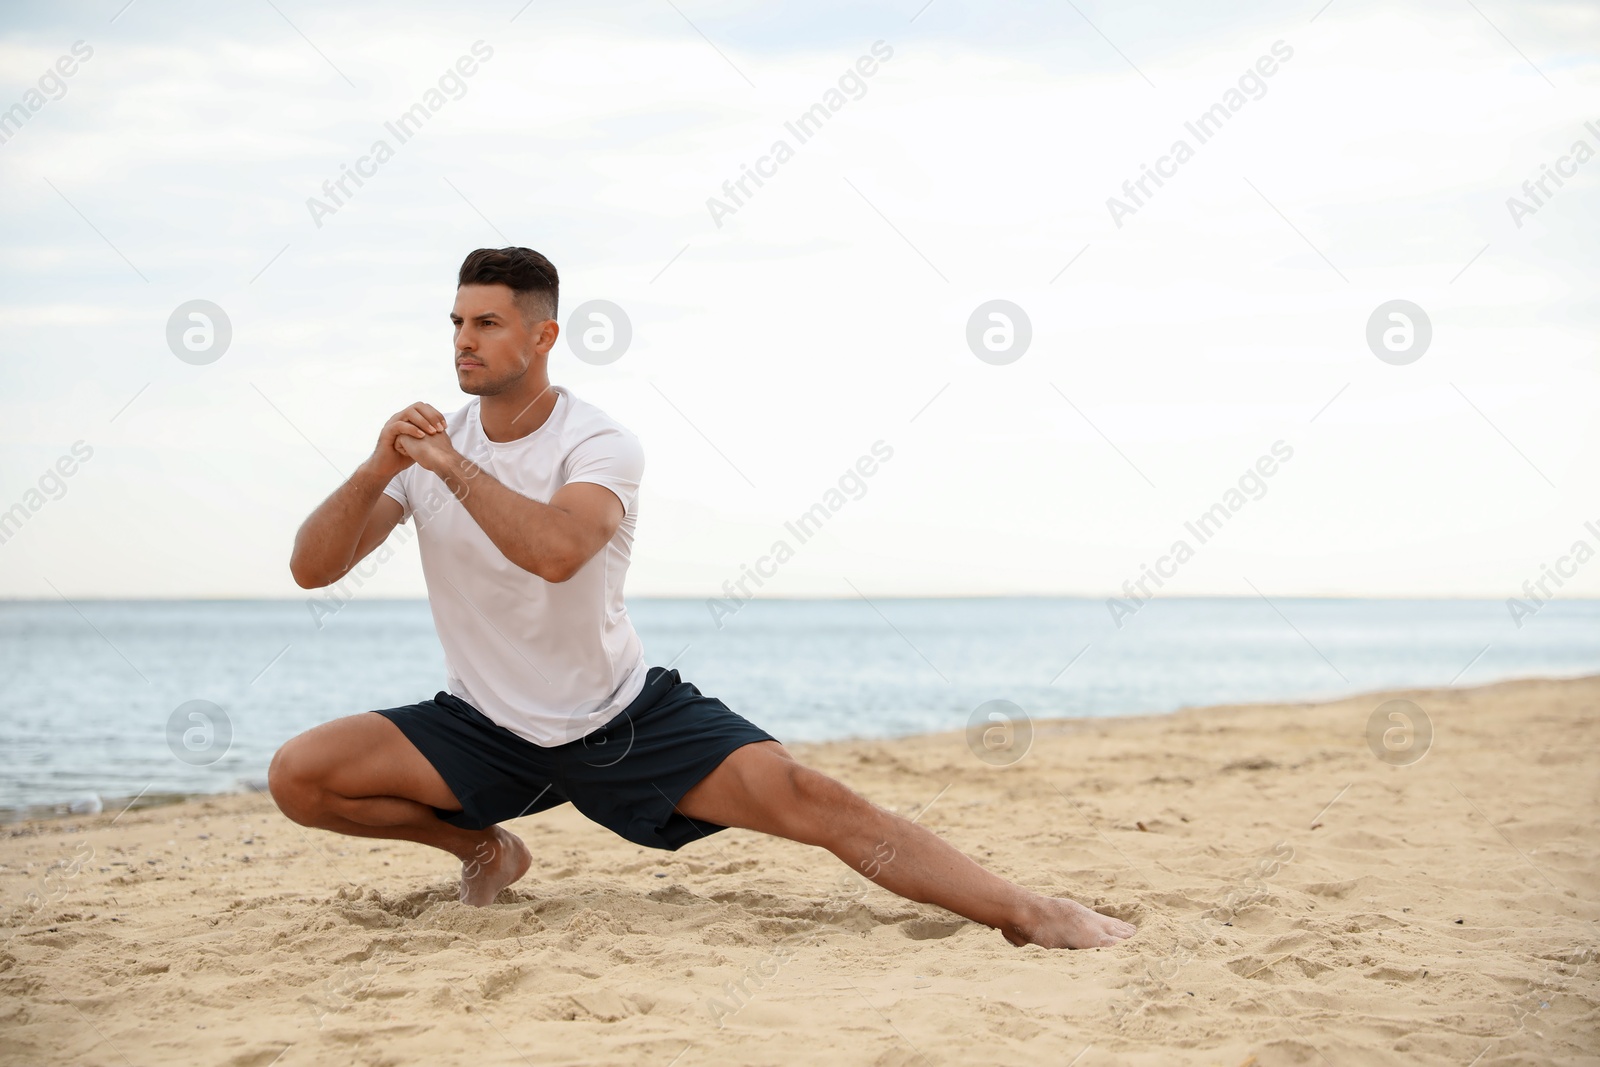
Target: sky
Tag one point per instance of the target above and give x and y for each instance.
(1182, 340)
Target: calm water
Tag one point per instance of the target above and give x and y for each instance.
(90, 688)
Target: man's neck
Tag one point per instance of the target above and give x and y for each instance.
(517, 413)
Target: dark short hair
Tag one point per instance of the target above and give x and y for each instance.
(531, 278)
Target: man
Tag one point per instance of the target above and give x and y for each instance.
(525, 502)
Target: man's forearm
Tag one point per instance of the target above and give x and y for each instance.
(537, 537)
(327, 541)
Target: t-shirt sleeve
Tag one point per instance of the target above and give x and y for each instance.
(612, 458)
(397, 489)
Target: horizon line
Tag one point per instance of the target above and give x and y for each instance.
(1090, 597)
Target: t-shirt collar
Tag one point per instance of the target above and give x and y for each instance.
(562, 401)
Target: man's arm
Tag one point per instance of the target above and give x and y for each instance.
(549, 540)
(357, 517)
(352, 522)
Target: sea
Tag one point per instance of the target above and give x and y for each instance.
(110, 703)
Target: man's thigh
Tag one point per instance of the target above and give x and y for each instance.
(762, 787)
(363, 755)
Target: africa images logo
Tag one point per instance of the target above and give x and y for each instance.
(402, 129)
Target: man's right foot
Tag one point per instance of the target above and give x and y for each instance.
(1057, 922)
(494, 864)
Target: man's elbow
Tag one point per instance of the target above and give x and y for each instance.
(557, 568)
(555, 571)
(305, 577)
(305, 581)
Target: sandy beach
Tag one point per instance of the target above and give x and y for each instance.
(1300, 901)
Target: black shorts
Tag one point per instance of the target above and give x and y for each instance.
(627, 776)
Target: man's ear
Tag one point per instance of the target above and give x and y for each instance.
(549, 330)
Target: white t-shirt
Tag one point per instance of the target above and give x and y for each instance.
(549, 661)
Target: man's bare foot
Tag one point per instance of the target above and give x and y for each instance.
(1056, 922)
(494, 865)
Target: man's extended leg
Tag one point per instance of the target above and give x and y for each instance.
(761, 787)
(360, 776)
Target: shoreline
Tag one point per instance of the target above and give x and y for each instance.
(54, 812)
(115, 807)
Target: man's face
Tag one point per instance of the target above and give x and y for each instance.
(494, 348)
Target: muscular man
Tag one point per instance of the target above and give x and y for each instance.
(525, 502)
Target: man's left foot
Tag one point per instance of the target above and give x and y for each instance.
(1057, 922)
(496, 864)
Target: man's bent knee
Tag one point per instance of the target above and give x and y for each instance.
(292, 789)
(357, 756)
